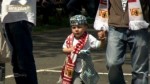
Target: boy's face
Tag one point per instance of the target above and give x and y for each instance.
(78, 30)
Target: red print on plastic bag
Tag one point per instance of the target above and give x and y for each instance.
(131, 0)
(103, 2)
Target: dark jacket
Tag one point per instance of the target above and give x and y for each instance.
(146, 9)
(119, 18)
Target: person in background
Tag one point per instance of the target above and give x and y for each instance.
(46, 8)
(78, 67)
(75, 7)
(125, 23)
(4, 53)
(18, 17)
(4, 56)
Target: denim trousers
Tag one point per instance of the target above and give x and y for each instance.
(118, 41)
(19, 36)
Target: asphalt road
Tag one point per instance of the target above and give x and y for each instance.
(49, 58)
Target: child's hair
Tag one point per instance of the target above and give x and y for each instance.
(78, 20)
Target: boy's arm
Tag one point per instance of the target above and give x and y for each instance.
(94, 42)
(67, 50)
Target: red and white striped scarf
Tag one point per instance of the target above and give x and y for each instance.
(68, 68)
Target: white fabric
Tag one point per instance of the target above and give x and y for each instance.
(23, 2)
(136, 25)
(101, 22)
(18, 10)
(136, 17)
(136, 21)
(92, 42)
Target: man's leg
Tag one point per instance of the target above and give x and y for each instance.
(116, 48)
(19, 35)
(140, 58)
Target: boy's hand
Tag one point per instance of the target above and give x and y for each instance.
(68, 50)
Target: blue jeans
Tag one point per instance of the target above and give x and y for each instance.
(118, 40)
(19, 36)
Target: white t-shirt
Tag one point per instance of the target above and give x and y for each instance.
(92, 42)
(16, 10)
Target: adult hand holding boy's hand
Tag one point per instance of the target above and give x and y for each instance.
(102, 35)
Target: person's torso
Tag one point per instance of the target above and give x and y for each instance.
(16, 10)
(118, 16)
(92, 42)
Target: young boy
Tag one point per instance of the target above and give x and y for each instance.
(78, 67)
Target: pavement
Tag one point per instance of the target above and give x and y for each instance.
(49, 58)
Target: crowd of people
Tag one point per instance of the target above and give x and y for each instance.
(119, 24)
(48, 8)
